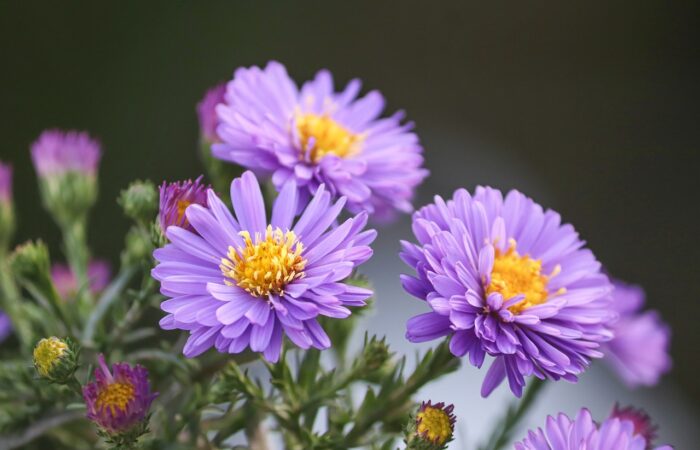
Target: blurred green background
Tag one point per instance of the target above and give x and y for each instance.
(591, 108)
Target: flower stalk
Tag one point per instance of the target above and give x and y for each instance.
(506, 426)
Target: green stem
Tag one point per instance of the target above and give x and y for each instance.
(133, 314)
(77, 254)
(75, 386)
(109, 296)
(502, 434)
(435, 364)
(49, 298)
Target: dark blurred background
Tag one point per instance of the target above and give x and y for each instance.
(591, 108)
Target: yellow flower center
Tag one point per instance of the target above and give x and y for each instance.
(115, 396)
(47, 354)
(514, 274)
(434, 424)
(267, 264)
(329, 137)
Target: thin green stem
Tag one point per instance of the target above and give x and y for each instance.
(78, 255)
(75, 386)
(109, 296)
(508, 424)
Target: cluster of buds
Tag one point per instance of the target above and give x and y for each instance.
(67, 166)
(431, 428)
(118, 401)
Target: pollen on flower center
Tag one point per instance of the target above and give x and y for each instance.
(266, 264)
(115, 396)
(321, 135)
(514, 275)
(434, 424)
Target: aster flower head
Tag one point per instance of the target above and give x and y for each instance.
(244, 281)
(206, 112)
(176, 197)
(316, 136)
(5, 326)
(582, 433)
(639, 352)
(505, 278)
(57, 152)
(432, 427)
(66, 283)
(118, 400)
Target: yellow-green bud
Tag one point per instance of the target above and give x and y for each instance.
(55, 359)
(31, 261)
(431, 428)
(140, 201)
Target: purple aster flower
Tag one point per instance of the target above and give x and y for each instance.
(176, 197)
(5, 326)
(5, 183)
(639, 418)
(582, 433)
(244, 281)
(66, 284)
(505, 278)
(57, 152)
(120, 399)
(639, 352)
(316, 136)
(206, 112)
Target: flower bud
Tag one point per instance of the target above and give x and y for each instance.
(140, 201)
(67, 166)
(431, 428)
(56, 359)
(7, 216)
(206, 113)
(30, 261)
(174, 200)
(118, 400)
(641, 421)
(375, 354)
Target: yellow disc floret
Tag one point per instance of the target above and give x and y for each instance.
(434, 424)
(48, 353)
(115, 396)
(329, 137)
(514, 275)
(266, 264)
